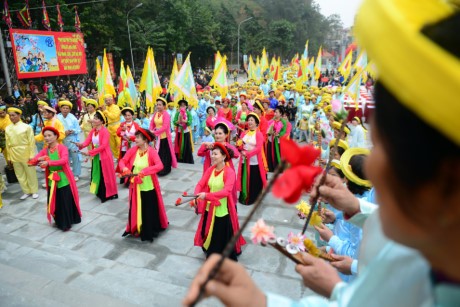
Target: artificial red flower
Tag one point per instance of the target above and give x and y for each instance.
(193, 203)
(300, 176)
(184, 194)
(296, 155)
(178, 201)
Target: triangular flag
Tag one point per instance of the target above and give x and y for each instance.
(59, 19)
(131, 89)
(345, 67)
(185, 83)
(318, 64)
(6, 14)
(219, 79)
(105, 82)
(46, 20)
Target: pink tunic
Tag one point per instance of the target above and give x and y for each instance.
(64, 163)
(155, 165)
(257, 151)
(106, 158)
(166, 127)
(213, 198)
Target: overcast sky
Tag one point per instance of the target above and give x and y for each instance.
(345, 8)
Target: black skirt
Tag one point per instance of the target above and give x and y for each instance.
(255, 186)
(221, 235)
(123, 180)
(165, 156)
(272, 160)
(101, 190)
(66, 212)
(151, 225)
(187, 154)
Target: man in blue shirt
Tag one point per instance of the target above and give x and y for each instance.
(272, 99)
(72, 132)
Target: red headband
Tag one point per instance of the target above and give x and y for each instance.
(221, 146)
(50, 128)
(149, 138)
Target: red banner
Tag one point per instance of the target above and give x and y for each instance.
(44, 53)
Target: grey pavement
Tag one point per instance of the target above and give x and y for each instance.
(93, 265)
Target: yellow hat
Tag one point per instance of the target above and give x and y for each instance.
(50, 109)
(336, 163)
(42, 103)
(337, 125)
(127, 109)
(398, 23)
(15, 110)
(91, 102)
(342, 144)
(106, 96)
(163, 100)
(65, 103)
(346, 167)
(103, 116)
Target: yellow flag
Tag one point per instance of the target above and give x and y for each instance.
(345, 67)
(318, 64)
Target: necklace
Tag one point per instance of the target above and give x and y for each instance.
(52, 150)
(217, 173)
(142, 152)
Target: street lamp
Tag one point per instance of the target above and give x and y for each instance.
(129, 36)
(239, 25)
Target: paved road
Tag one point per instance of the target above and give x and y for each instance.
(92, 264)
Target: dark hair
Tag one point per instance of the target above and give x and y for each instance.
(255, 118)
(230, 152)
(338, 171)
(221, 126)
(402, 144)
(210, 107)
(151, 135)
(280, 109)
(98, 116)
(357, 167)
(340, 150)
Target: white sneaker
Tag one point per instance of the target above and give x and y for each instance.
(24, 196)
(35, 196)
(76, 178)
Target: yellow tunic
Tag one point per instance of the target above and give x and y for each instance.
(56, 123)
(86, 125)
(20, 142)
(113, 113)
(159, 123)
(4, 122)
(21, 147)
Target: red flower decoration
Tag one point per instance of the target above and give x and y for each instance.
(192, 203)
(301, 174)
(178, 201)
(296, 155)
(185, 193)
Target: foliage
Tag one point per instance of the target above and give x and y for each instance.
(198, 26)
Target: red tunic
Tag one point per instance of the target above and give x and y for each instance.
(63, 161)
(213, 198)
(106, 158)
(155, 165)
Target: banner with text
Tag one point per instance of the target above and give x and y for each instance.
(44, 53)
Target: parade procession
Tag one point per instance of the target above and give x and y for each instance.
(314, 164)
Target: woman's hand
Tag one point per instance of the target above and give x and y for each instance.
(43, 164)
(324, 232)
(233, 286)
(336, 194)
(318, 275)
(343, 264)
(328, 216)
(201, 195)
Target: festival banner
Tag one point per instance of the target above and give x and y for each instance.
(44, 53)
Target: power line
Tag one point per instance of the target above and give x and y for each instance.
(70, 4)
